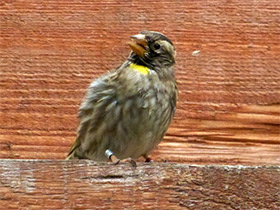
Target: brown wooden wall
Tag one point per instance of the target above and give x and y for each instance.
(228, 71)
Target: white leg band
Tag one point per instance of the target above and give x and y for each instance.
(108, 153)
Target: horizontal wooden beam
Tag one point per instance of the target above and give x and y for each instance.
(53, 184)
(227, 69)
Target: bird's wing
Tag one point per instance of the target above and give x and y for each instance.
(91, 110)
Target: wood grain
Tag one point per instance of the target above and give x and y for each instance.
(228, 72)
(87, 185)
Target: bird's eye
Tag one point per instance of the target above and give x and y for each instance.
(156, 46)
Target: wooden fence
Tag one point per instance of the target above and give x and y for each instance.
(228, 72)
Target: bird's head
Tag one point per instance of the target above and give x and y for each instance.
(152, 49)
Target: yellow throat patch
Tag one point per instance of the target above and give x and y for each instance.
(142, 69)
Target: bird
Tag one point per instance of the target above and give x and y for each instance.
(127, 111)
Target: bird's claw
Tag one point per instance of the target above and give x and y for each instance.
(131, 161)
(127, 160)
(110, 155)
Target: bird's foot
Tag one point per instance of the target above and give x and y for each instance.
(148, 159)
(129, 160)
(110, 155)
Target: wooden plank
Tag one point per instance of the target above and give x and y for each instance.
(228, 72)
(51, 184)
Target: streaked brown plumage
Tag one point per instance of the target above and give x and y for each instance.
(129, 109)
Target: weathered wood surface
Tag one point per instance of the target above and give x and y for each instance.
(228, 71)
(86, 185)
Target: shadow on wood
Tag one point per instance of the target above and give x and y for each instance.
(46, 184)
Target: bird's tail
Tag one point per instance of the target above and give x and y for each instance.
(72, 154)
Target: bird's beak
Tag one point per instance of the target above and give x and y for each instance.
(138, 44)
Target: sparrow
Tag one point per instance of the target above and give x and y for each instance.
(126, 112)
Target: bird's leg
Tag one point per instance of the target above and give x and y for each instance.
(110, 155)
